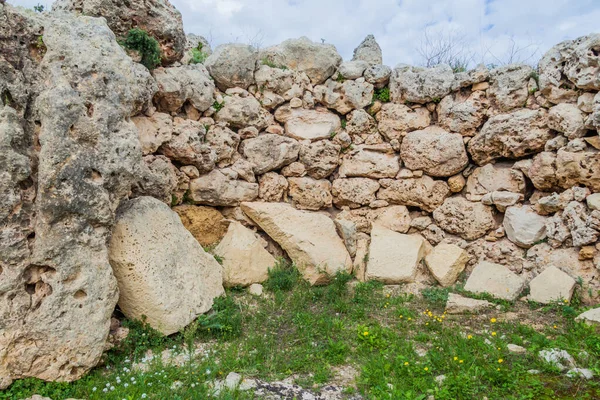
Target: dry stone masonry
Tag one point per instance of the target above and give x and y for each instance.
(115, 179)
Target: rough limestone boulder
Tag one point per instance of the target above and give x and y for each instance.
(467, 219)
(310, 239)
(241, 112)
(370, 162)
(396, 120)
(272, 187)
(318, 61)
(344, 97)
(186, 83)
(496, 280)
(591, 317)
(508, 89)
(352, 69)
(565, 169)
(420, 85)
(425, 192)
(310, 194)
(523, 226)
(354, 192)
(461, 114)
(302, 124)
(500, 177)
(159, 18)
(369, 51)
(162, 271)
(320, 158)
(445, 262)
(436, 152)
(378, 75)
(393, 257)
(568, 120)
(458, 304)
(515, 135)
(218, 189)
(551, 286)
(245, 260)
(206, 224)
(89, 90)
(232, 65)
(186, 145)
(153, 131)
(269, 152)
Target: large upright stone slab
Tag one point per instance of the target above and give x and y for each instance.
(550, 286)
(393, 257)
(162, 271)
(245, 260)
(495, 279)
(445, 262)
(310, 239)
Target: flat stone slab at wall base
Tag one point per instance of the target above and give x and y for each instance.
(245, 260)
(162, 271)
(309, 238)
(590, 316)
(393, 257)
(495, 279)
(550, 286)
(458, 304)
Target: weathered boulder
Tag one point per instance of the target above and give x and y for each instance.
(590, 316)
(567, 119)
(218, 189)
(224, 142)
(153, 131)
(245, 260)
(502, 200)
(369, 51)
(149, 248)
(195, 42)
(593, 201)
(282, 82)
(370, 162)
(186, 145)
(393, 257)
(318, 61)
(378, 75)
(160, 179)
(305, 124)
(352, 69)
(445, 262)
(396, 120)
(186, 83)
(310, 239)
(508, 89)
(434, 151)
(420, 85)
(354, 192)
(160, 19)
(86, 160)
(360, 123)
(344, 97)
(515, 135)
(550, 286)
(458, 304)
(461, 114)
(241, 112)
(494, 178)
(272, 187)
(320, 158)
(269, 152)
(523, 226)
(565, 169)
(467, 219)
(496, 280)
(206, 224)
(232, 65)
(395, 218)
(424, 192)
(310, 194)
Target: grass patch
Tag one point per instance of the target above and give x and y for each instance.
(397, 344)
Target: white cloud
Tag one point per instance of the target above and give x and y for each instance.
(488, 26)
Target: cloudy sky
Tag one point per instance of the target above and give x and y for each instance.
(487, 29)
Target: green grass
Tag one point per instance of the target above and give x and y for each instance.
(148, 47)
(382, 95)
(397, 344)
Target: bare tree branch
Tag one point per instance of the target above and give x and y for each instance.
(445, 47)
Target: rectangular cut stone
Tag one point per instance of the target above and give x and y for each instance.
(393, 257)
(550, 286)
(495, 279)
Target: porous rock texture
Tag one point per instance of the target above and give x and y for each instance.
(162, 271)
(481, 160)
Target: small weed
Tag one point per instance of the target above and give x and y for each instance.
(382, 95)
(282, 277)
(198, 56)
(218, 106)
(39, 8)
(266, 61)
(139, 40)
(344, 122)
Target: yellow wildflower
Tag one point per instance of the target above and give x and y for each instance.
(460, 361)
(406, 363)
(365, 333)
(455, 358)
(500, 361)
(493, 320)
(470, 337)
(426, 369)
(493, 333)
